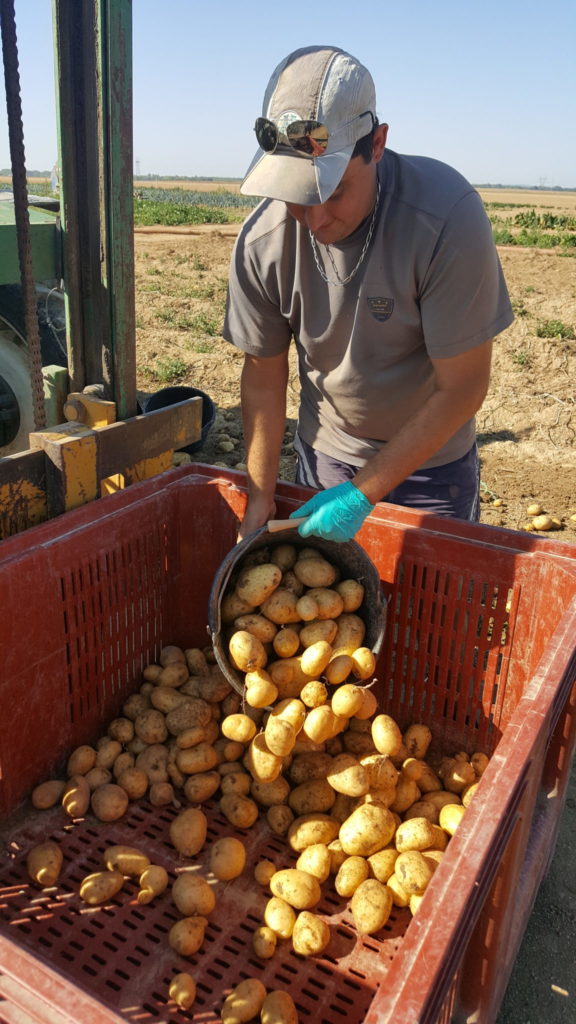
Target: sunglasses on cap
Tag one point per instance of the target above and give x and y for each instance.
(307, 137)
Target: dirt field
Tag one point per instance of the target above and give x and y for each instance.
(527, 433)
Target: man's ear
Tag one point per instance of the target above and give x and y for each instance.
(380, 136)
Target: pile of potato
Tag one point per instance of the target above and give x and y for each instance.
(362, 806)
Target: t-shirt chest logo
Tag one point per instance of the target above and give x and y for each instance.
(380, 307)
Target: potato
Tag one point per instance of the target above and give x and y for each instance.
(48, 794)
(121, 729)
(368, 829)
(413, 871)
(310, 935)
(292, 583)
(386, 735)
(258, 625)
(329, 603)
(280, 736)
(281, 608)
(187, 935)
(414, 834)
(321, 723)
(307, 608)
(192, 894)
(260, 691)
(246, 651)
(240, 728)
(383, 862)
(347, 699)
(417, 739)
(189, 714)
(76, 797)
(450, 817)
(441, 797)
(153, 760)
(174, 674)
(479, 762)
(278, 1008)
(407, 793)
(371, 906)
(369, 705)
(312, 828)
(352, 594)
(152, 673)
(315, 658)
(239, 810)
(244, 1002)
(134, 705)
(44, 863)
(182, 990)
(316, 861)
(286, 642)
(351, 873)
(153, 881)
(381, 771)
(236, 782)
(279, 818)
(201, 786)
(267, 794)
(171, 654)
(188, 831)
(232, 606)
(107, 752)
(317, 631)
(459, 775)
(338, 669)
(263, 871)
(150, 726)
(264, 942)
(284, 556)
(81, 760)
(200, 758)
(196, 661)
(135, 782)
(307, 767)
(400, 897)
(468, 793)
(227, 858)
(257, 582)
(314, 796)
(101, 886)
(348, 776)
(314, 693)
(315, 571)
(129, 860)
(298, 888)
(349, 634)
(109, 802)
(121, 764)
(422, 809)
(262, 764)
(363, 663)
(161, 794)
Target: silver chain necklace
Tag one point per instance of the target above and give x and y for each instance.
(341, 281)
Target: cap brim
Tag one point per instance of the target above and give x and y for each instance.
(293, 178)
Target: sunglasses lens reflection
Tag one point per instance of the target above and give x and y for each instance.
(309, 137)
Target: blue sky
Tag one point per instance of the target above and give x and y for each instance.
(488, 87)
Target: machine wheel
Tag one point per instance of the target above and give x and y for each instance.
(16, 406)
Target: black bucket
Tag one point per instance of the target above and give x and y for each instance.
(180, 393)
(349, 557)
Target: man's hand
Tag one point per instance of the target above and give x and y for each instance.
(335, 514)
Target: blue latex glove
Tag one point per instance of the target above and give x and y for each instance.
(334, 514)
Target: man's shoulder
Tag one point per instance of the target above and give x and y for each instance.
(425, 183)
(266, 223)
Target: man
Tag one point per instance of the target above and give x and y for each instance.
(383, 270)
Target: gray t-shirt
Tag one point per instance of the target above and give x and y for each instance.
(430, 285)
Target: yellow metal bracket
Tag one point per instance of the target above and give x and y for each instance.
(76, 462)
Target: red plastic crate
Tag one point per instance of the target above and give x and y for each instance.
(480, 643)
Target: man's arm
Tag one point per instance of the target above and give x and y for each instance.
(263, 394)
(461, 383)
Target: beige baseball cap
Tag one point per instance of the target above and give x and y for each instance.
(315, 92)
